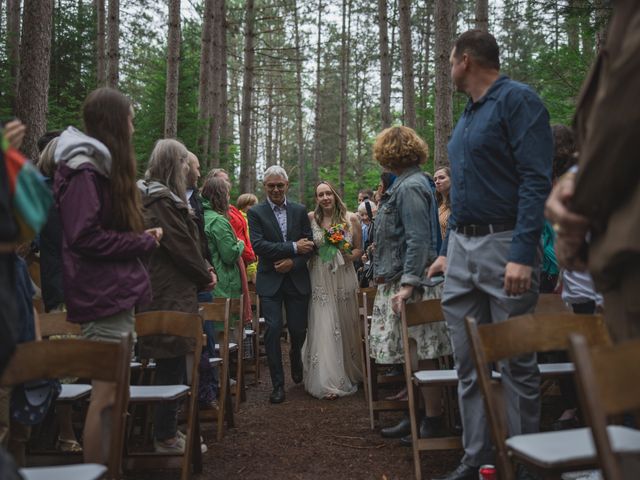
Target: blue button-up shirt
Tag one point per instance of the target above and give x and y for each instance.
(280, 211)
(501, 154)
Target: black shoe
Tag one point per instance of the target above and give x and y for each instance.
(463, 472)
(399, 430)
(277, 396)
(430, 427)
(296, 366)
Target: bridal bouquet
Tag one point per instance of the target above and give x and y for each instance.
(334, 242)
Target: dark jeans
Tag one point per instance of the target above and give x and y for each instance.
(169, 371)
(297, 309)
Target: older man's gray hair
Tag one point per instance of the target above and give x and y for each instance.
(275, 171)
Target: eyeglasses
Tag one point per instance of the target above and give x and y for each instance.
(275, 186)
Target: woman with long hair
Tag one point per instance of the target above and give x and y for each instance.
(442, 178)
(178, 272)
(331, 353)
(103, 237)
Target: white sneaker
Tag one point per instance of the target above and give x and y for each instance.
(203, 446)
(175, 448)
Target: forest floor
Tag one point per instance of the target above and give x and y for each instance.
(305, 438)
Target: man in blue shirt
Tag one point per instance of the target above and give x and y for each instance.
(501, 156)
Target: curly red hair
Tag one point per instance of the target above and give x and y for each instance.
(398, 148)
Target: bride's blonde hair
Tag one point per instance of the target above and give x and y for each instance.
(339, 211)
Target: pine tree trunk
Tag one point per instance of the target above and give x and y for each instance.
(247, 92)
(424, 72)
(572, 26)
(269, 138)
(101, 61)
(226, 130)
(299, 119)
(344, 91)
(408, 88)
(214, 86)
(444, 21)
(33, 76)
(13, 44)
(204, 101)
(482, 15)
(385, 65)
(173, 72)
(113, 44)
(316, 126)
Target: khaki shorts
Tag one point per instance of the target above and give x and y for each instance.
(111, 328)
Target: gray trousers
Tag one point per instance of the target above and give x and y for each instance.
(474, 286)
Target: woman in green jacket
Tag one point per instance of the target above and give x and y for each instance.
(225, 248)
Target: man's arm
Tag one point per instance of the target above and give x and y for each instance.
(300, 260)
(263, 247)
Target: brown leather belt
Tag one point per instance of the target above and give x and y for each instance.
(482, 230)
(379, 280)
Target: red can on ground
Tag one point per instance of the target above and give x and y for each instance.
(488, 472)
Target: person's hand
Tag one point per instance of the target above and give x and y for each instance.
(517, 278)
(284, 265)
(404, 293)
(214, 280)
(304, 245)
(570, 227)
(439, 266)
(14, 133)
(156, 233)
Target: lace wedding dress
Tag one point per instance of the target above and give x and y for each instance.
(331, 352)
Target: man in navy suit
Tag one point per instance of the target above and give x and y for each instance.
(282, 239)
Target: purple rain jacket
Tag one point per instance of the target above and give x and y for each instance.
(103, 273)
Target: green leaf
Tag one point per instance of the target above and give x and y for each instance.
(327, 252)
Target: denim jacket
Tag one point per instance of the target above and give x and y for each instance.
(406, 229)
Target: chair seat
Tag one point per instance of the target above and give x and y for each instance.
(215, 361)
(442, 377)
(232, 347)
(73, 391)
(552, 369)
(85, 471)
(570, 447)
(261, 320)
(156, 393)
(135, 365)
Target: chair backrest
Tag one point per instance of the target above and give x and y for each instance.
(608, 385)
(551, 303)
(366, 297)
(105, 361)
(412, 314)
(518, 336)
(219, 311)
(57, 324)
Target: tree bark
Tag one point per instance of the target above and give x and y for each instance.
(226, 134)
(101, 61)
(408, 88)
(482, 15)
(269, 139)
(113, 44)
(344, 91)
(385, 65)
(572, 26)
(424, 68)
(173, 72)
(13, 44)
(299, 118)
(214, 86)
(247, 91)
(444, 21)
(316, 127)
(204, 101)
(33, 76)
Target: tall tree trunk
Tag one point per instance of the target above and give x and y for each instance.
(572, 26)
(269, 138)
(173, 72)
(247, 91)
(444, 21)
(214, 86)
(316, 126)
(101, 61)
(13, 44)
(482, 15)
(344, 91)
(603, 9)
(424, 69)
(226, 133)
(299, 119)
(385, 65)
(33, 76)
(408, 88)
(113, 44)
(204, 101)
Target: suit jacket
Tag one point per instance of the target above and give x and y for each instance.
(608, 129)
(270, 247)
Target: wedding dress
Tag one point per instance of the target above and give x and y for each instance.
(331, 353)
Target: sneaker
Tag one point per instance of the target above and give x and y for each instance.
(175, 448)
(203, 446)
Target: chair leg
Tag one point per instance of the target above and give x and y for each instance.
(414, 430)
(372, 372)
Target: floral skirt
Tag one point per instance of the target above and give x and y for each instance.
(385, 337)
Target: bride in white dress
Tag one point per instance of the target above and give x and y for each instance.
(332, 351)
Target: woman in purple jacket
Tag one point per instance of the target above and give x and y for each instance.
(103, 238)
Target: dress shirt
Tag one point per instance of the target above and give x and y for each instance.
(501, 154)
(280, 211)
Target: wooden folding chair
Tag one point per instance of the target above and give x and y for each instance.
(608, 385)
(549, 452)
(551, 303)
(188, 326)
(103, 361)
(374, 381)
(219, 312)
(252, 366)
(414, 314)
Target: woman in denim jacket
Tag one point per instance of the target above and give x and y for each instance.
(406, 242)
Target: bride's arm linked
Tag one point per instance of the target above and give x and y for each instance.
(356, 231)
